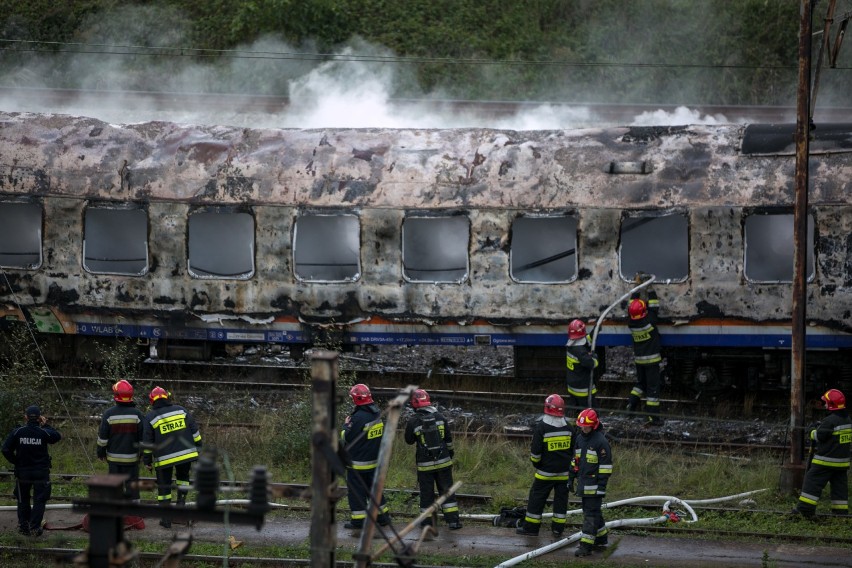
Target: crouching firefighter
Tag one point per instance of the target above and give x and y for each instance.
(171, 441)
(550, 454)
(434, 456)
(362, 436)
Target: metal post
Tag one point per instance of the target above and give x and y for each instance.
(792, 476)
(106, 531)
(324, 369)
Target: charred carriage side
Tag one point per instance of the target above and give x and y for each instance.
(198, 237)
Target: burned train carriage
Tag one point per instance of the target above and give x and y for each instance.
(197, 236)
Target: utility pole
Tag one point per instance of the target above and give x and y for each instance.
(793, 475)
(324, 370)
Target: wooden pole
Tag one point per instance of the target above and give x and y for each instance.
(324, 370)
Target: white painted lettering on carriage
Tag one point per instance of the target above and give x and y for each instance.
(246, 336)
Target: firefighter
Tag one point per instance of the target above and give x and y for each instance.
(581, 362)
(591, 471)
(550, 454)
(120, 435)
(362, 436)
(830, 463)
(26, 449)
(646, 351)
(434, 453)
(171, 443)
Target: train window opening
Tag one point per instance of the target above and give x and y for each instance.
(769, 248)
(326, 248)
(221, 245)
(20, 235)
(655, 244)
(115, 241)
(544, 249)
(434, 249)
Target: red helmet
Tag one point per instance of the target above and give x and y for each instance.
(588, 418)
(637, 309)
(834, 400)
(122, 391)
(576, 329)
(554, 405)
(420, 398)
(158, 393)
(361, 394)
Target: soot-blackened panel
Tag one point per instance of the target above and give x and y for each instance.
(781, 138)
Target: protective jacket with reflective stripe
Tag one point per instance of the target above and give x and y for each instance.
(646, 336)
(120, 433)
(592, 463)
(362, 436)
(172, 432)
(580, 362)
(833, 437)
(550, 451)
(425, 460)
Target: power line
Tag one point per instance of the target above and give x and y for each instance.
(172, 51)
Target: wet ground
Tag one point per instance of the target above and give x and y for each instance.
(478, 539)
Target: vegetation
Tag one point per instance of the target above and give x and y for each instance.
(646, 51)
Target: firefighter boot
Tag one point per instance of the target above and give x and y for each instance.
(585, 549)
(632, 403)
(166, 522)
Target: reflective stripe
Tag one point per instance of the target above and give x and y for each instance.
(122, 458)
(365, 465)
(831, 462)
(648, 359)
(176, 457)
(549, 476)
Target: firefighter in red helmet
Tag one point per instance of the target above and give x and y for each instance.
(430, 432)
(120, 435)
(591, 471)
(550, 454)
(361, 436)
(171, 441)
(581, 362)
(832, 439)
(642, 321)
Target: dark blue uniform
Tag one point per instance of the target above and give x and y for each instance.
(362, 437)
(26, 448)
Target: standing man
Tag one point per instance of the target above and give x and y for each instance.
(119, 437)
(171, 442)
(26, 449)
(434, 456)
(362, 436)
(646, 352)
(830, 464)
(550, 454)
(592, 468)
(581, 362)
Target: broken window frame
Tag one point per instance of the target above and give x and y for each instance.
(39, 235)
(650, 216)
(548, 258)
(417, 218)
(762, 255)
(91, 207)
(205, 274)
(296, 248)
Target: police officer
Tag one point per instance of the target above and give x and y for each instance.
(119, 437)
(428, 429)
(171, 442)
(591, 472)
(362, 436)
(647, 354)
(26, 448)
(581, 362)
(550, 454)
(830, 463)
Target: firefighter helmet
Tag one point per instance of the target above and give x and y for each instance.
(637, 309)
(420, 398)
(834, 400)
(588, 417)
(122, 391)
(158, 393)
(576, 329)
(361, 394)
(554, 405)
